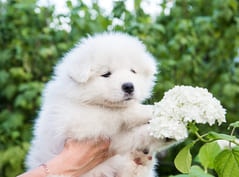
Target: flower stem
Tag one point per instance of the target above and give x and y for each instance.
(230, 143)
(233, 142)
(201, 137)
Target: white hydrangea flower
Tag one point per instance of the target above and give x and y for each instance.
(170, 129)
(181, 105)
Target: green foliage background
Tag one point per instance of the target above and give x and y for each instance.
(195, 44)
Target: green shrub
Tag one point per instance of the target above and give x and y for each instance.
(195, 44)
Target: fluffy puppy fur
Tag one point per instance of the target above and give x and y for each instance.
(96, 91)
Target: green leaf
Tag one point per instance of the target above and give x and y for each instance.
(196, 171)
(234, 124)
(180, 175)
(220, 136)
(227, 163)
(184, 159)
(233, 4)
(207, 154)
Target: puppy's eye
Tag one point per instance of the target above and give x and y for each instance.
(106, 74)
(133, 71)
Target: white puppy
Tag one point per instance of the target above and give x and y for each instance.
(96, 92)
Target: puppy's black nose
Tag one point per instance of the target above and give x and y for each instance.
(146, 151)
(128, 87)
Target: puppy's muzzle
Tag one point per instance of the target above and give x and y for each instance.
(128, 88)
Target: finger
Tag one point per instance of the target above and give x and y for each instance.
(73, 142)
(104, 155)
(101, 146)
(96, 160)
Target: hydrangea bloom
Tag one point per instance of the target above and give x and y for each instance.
(181, 105)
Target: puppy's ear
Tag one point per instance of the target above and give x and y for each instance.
(79, 71)
(76, 66)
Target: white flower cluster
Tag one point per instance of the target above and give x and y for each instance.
(181, 105)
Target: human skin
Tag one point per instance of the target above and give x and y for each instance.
(75, 159)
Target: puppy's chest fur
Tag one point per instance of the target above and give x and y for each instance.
(95, 121)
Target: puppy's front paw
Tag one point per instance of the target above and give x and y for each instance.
(149, 109)
(142, 156)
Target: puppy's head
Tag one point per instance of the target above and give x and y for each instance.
(110, 69)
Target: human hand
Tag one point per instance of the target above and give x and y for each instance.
(78, 158)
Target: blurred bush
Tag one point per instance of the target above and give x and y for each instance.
(195, 41)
